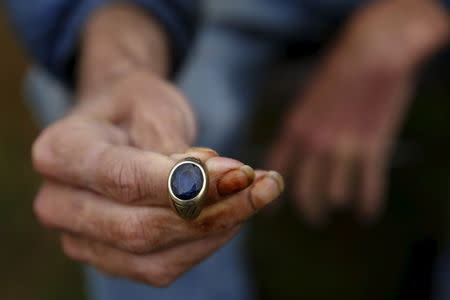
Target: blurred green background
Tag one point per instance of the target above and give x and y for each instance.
(32, 266)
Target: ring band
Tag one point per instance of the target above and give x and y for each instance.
(188, 186)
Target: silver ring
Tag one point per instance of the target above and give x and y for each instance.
(188, 185)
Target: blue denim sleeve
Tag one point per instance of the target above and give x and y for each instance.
(50, 28)
(446, 3)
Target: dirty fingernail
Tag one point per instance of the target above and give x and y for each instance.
(235, 180)
(267, 189)
(278, 178)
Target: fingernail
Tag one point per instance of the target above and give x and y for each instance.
(278, 178)
(267, 189)
(202, 149)
(235, 180)
(249, 172)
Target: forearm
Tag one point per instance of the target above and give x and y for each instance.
(426, 29)
(394, 36)
(119, 39)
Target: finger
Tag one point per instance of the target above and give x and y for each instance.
(145, 229)
(150, 134)
(88, 158)
(158, 269)
(201, 153)
(226, 176)
(281, 154)
(138, 91)
(86, 154)
(372, 188)
(273, 206)
(340, 177)
(241, 206)
(131, 229)
(152, 124)
(307, 190)
(279, 158)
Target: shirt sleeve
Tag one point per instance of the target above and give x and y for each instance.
(50, 28)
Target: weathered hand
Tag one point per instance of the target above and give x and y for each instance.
(108, 193)
(337, 139)
(106, 165)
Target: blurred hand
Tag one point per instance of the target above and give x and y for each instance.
(336, 140)
(105, 168)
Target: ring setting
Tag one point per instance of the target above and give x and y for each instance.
(188, 186)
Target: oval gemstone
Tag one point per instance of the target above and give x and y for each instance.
(187, 181)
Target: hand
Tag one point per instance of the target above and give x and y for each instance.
(337, 140)
(108, 194)
(105, 169)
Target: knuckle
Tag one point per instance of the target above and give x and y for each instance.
(314, 143)
(345, 147)
(41, 152)
(132, 236)
(211, 224)
(123, 179)
(160, 281)
(96, 250)
(371, 154)
(70, 250)
(50, 144)
(295, 128)
(161, 277)
(41, 209)
(71, 253)
(365, 148)
(165, 281)
(318, 145)
(383, 71)
(136, 245)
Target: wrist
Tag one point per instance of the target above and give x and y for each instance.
(397, 34)
(426, 28)
(119, 39)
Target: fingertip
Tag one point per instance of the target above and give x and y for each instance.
(278, 179)
(311, 210)
(249, 172)
(235, 180)
(70, 246)
(369, 213)
(266, 190)
(338, 200)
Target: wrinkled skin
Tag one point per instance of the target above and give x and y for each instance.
(105, 165)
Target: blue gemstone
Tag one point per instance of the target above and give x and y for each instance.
(187, 181)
